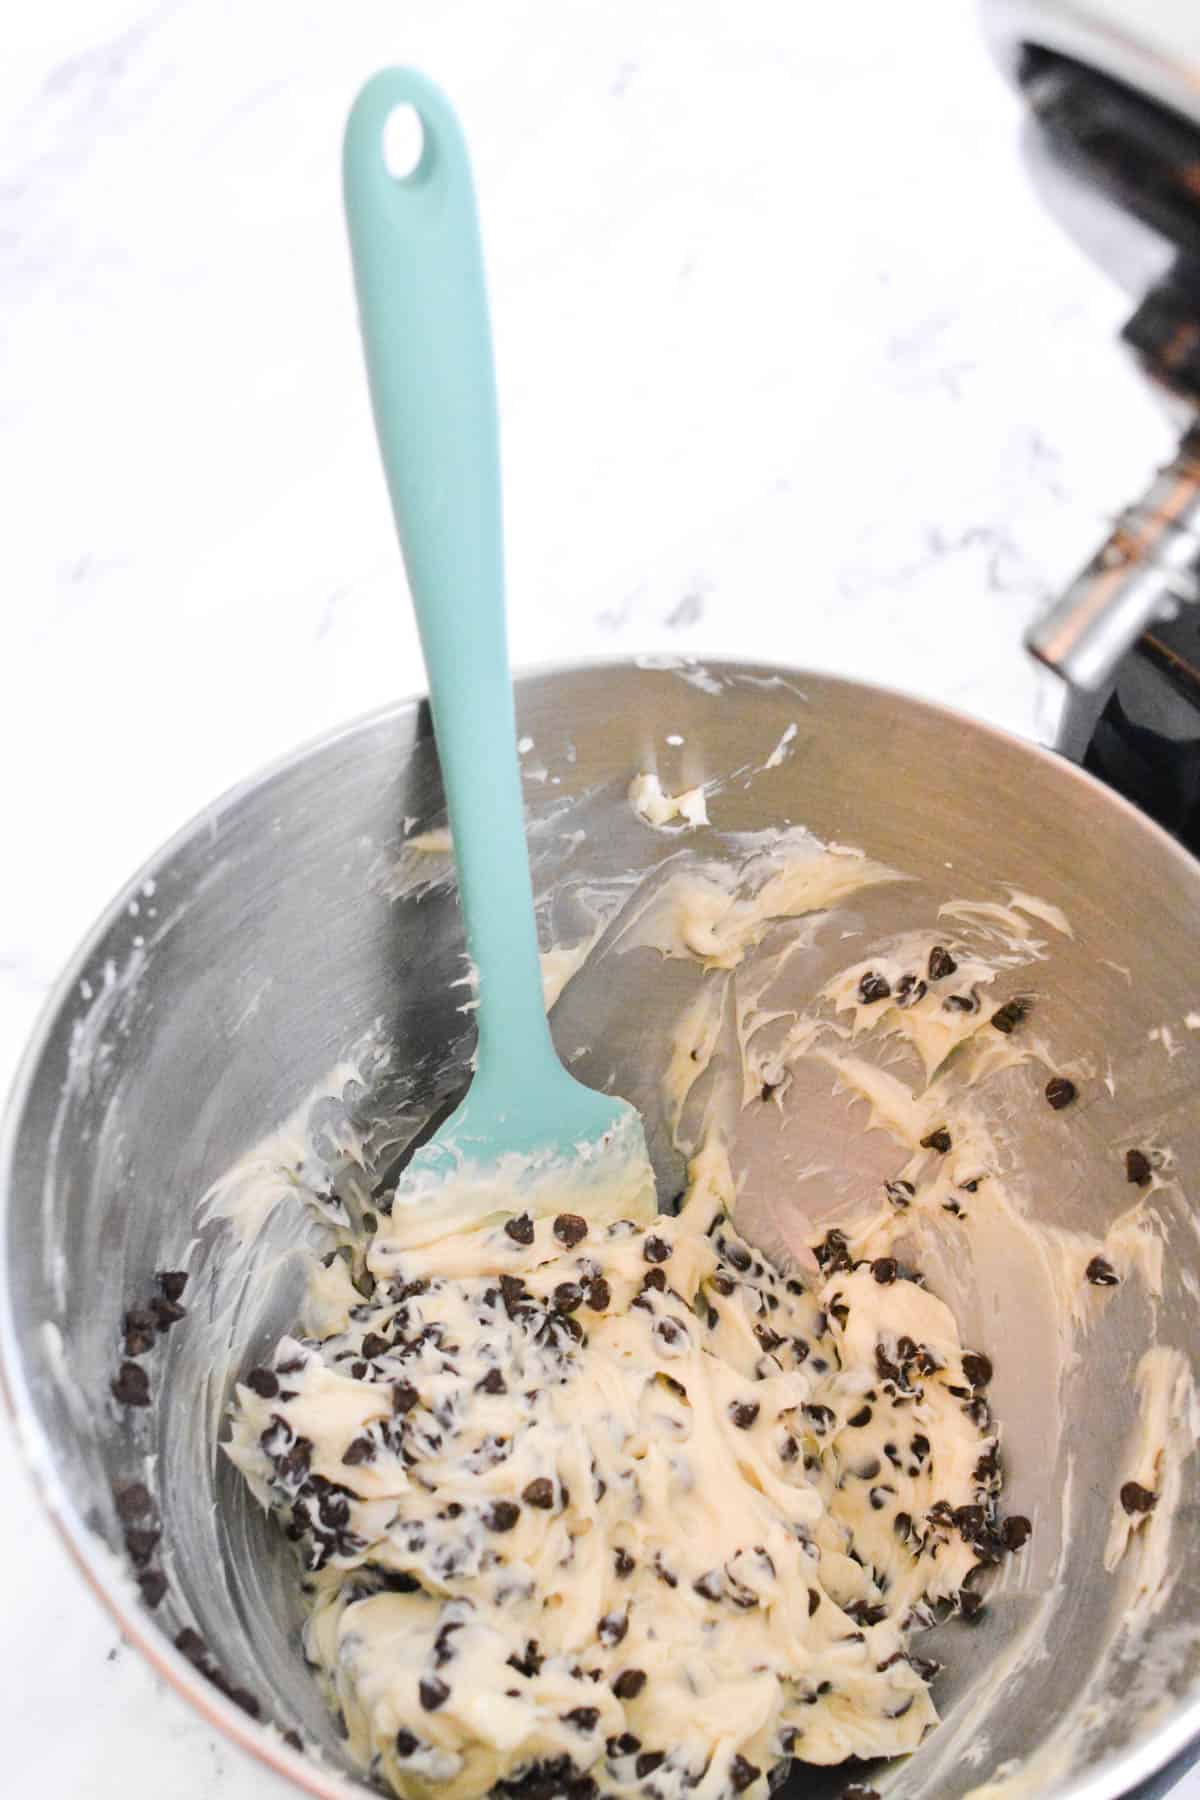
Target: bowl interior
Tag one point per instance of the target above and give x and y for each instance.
(283, 977)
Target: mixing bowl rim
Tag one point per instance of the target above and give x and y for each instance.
(102, 1571)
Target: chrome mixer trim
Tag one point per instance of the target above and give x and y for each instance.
(1147, 567)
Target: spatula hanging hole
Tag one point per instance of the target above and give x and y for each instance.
(403, 142)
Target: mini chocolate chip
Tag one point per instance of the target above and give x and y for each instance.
(814, 1600)
(406, 1743)
(884, 1269)
(568, 1297)
(656, 1250)
(873, 987)
(970, 1605)
(833, 1252)
(625, 1745)
(404, 1397)
(789, 1450)
(708, 1585)
(611, 1629)
(1137, 1168)
(629, 1684)
(443, 1645)
(140, 1541)
(530, 1664)
(539, 1492)
(373, 1345)
(153, 1584)
(583, 1718)
(434, 1692)
(648, 1761)
(520, 1229)
(1101, 1273)
(131, 1385)
(623, 1562)
(909, 990)
(900, 1193)
(664, 1574)
(172, 1282)
(514, 1294)
(988, 1467)
(166, 1312)
(264, 1383)
(359, 1450)
(739, 1258)
(743, 1413)
(1015, 1531)
(742, 1774)
(977, 1368)
(140, 1329)
(654, 1278)
(189, 1643)
(1006, 1018)
(502, 1515)
(866, 1614)
(599, 1295)
(941, 963)
(962, 1003)
(938, 1140)
(133, 1501)
(570, 1229)
(1060, 1092)
(1137, 1499)
(491, 1383)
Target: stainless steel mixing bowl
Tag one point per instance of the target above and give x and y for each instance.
(269, 937)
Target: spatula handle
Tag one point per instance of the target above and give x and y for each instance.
(423, 310)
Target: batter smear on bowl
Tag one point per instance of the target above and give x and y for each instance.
(622, 1508)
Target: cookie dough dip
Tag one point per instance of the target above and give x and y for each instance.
(633, 1506)
(626, 1509)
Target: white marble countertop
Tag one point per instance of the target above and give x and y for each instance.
(791, 364)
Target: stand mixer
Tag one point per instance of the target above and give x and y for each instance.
(1112, 139)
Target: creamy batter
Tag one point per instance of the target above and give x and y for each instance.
(654, 806)
(625, 1503)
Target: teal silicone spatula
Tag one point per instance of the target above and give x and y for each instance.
(528, 1136)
